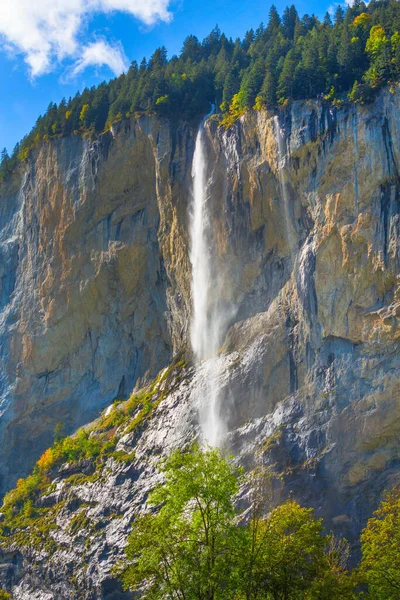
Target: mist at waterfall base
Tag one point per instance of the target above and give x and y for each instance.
(211, 315)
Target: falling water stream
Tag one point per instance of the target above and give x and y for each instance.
(204, 336)
(283, 182)
(208, 321)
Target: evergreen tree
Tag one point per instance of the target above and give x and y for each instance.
(4, 156)
(252, 81)
(327, 20)
(379, 50)
(289, 20)
(248, 39)
(268, 89)
(231, 85)
(191, 49)
(274, 21)
(339, 15)
(286, 78)
(344, 58)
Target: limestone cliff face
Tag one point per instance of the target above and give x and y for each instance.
(309, 207)
(94, 292)
(95, 296)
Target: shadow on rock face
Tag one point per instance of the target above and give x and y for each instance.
(112, 590)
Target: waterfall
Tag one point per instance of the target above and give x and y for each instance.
(209, 319)
(204, 330)
(283, 183)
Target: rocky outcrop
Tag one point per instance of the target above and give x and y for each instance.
(96, 299)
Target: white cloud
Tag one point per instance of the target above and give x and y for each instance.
(48, 31)
(344, 4)
(99, 54)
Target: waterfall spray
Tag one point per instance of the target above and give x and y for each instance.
(208, 321)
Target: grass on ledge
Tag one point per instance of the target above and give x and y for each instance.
(27, 524)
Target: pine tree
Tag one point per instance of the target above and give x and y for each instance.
(327, 20)
(339, 15)
(344, 58)
(286, 78)
(268, 89)
(274, 21)
(289, 20)
(4, 156)
(252, 81)
(231, 86)
(191, 49)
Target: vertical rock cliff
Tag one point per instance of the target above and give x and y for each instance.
(96, 299)
(94, 291)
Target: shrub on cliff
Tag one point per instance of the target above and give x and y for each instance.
(21, 510)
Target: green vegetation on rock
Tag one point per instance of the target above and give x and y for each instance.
(381, 550)
(25, 521)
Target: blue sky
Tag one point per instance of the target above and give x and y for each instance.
(51, 48)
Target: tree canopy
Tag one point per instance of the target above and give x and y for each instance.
(196, 545)
(292, 57)
(381, 550)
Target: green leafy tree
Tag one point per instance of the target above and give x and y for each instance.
(380, 543)
(187, 548)
(59, 432)
(286, 553)
(84, 114)
(379, 50)
(195, 546)
(361, 93)
(334, 580)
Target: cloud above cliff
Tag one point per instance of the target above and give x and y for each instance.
(48, 32)
(332, 8)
